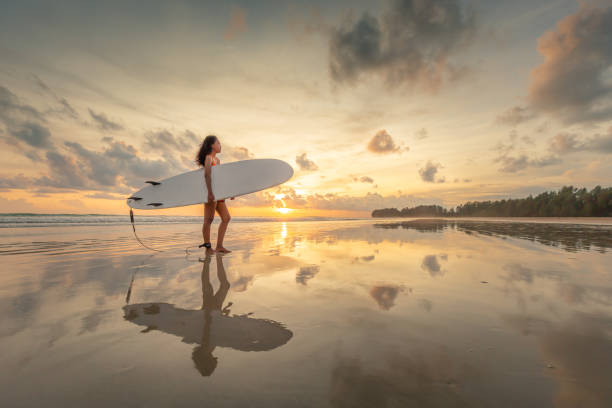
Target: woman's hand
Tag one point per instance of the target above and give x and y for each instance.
(211, 197)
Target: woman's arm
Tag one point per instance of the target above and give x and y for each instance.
(219, 162)
(208, 177)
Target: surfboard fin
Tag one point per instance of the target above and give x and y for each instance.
(155, 204)
(154, 183)
(134, 198)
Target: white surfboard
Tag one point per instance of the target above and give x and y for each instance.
(228, 180)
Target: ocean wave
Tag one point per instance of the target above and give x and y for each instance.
(21, 220)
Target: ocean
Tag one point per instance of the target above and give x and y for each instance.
(18, 220)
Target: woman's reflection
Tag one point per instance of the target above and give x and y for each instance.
(202, 356)
(210, 326)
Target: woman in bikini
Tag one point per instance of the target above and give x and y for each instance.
(207, 158)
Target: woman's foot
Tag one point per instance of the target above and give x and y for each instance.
(222, 250)
(208, 248)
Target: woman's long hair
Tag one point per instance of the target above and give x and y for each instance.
(205, 149)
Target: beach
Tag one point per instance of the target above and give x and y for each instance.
(363, 312)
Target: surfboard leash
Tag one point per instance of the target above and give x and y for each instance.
(136, 235)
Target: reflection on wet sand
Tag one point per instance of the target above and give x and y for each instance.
(579, 355)
(212, 325)
(427, 313)
(427, 377)
(570, 237)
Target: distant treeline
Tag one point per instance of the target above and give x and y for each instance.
(567, 202)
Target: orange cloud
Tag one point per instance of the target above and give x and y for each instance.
(571, 80)
(237, 23)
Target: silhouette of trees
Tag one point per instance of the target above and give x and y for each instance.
(567, 202)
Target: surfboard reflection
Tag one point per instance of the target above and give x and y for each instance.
(210, 326)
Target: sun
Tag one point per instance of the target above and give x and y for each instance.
(283, 210)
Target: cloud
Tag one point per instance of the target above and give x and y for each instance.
(237, 23)
(571, 82)
(428, 173)
(515, 164)
(105, 196)
(188, 142)
(421, 134)
(65, 107)
(305, 164)
(465, 180)
(366, 179)
(33, 134)
(332, 201)
(117, 167)
(64, 172)
(14, 182)
(513, 160)
(11, 106)
(569, 143)
(103, 122)
(383, 143)
(515, 116)
(162, 140)
(412, 43)
(385, 295)
(71, 166)
(237, 152)
(24, 124)
(306, 273)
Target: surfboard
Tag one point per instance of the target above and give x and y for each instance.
(228, 180)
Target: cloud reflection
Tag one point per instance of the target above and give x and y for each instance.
(430, 264)
(306, 273)
(385, 295)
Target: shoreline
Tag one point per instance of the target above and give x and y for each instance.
(535, 220)
(158, 221)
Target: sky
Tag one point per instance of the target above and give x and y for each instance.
(375, 104)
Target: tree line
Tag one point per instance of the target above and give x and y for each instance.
(567, 202)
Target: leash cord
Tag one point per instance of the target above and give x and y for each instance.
(136, 235)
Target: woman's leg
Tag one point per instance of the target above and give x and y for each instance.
(225, 219)
(224, 284)
(209, 215)
(207, 289)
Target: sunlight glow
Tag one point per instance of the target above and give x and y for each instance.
(283, 210)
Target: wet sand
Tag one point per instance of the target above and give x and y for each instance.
(380, 312)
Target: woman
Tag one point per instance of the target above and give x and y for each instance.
(207, 158)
